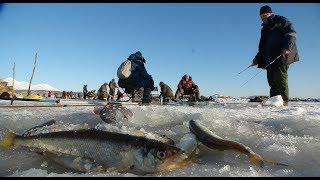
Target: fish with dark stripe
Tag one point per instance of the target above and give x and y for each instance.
(104, 150)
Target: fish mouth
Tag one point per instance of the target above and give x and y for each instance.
(176, 162)
(182, 158)
(172, 166)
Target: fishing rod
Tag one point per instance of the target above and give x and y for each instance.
(246, 68)
(261, 70)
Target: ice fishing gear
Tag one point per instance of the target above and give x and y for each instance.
(245, 69)
(262, 69)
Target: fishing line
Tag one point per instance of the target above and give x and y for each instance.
(261, 70)
(246, 69)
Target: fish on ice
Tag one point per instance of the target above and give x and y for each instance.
(93, 150)
(213, 141)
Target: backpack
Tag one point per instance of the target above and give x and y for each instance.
(124, 70)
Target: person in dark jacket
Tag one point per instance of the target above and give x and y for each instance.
(85, 91)
(166, 92)
(277, 50)
(139, 79)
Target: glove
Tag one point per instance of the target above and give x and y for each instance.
(254, 62)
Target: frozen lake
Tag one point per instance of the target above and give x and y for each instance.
(284, 134)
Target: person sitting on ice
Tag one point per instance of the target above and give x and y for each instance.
(139, 79)
(186, 86)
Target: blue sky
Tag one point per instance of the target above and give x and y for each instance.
(84, 43)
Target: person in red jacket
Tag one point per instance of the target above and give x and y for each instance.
(49, 94)
(186, 86)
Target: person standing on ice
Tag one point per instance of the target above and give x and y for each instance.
(112, 89)
(49, 94)
(85, 91)
(277, 50)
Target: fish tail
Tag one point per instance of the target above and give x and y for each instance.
(275, 163)
(8, 138)
(256, 159)
(260, 161)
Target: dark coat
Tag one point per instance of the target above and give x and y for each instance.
(275, 36)
(139, 77)
(112, 85)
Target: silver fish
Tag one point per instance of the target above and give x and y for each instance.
(113, 151)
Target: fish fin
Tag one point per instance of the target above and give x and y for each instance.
(48, 123)
(119, 170)
(138, 132)
(256, 159)
(8, 138)
(77, 163)
(275, 163)
(261, 162)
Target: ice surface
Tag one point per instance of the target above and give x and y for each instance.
(287, 134)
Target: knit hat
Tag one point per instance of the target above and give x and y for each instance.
(265, 9)
(138, 53)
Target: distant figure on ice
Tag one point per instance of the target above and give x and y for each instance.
(64, 94)
(166, 92)
(79, 95)
(56, 95)
(85, 91)
(112, 89)
(186, 86)
(139, 79)
(49, 94)
(103, 92)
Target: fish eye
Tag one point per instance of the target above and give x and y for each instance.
(100, 168)
(161, 154)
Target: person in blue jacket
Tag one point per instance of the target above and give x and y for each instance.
(139, 79)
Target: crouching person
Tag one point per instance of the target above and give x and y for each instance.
(103, 92)
(139, 79)
(166, 92)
